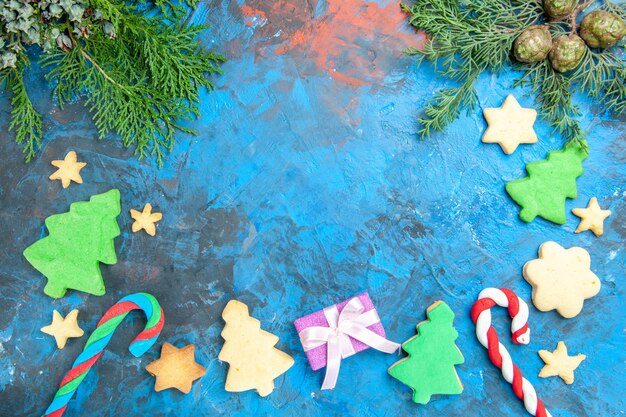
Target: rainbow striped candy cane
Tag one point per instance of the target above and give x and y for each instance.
(499, 356)
(100, 338)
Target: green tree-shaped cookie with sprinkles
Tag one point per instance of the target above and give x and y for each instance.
(78, 241)
(549, 183)
(429, 368)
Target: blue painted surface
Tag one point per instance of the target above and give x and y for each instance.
(307, 185)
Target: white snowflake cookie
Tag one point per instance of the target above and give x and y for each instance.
(561, 279)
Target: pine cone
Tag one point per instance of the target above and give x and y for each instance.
(567, 52)
(559, 9)
(533, 44)
(602, 29)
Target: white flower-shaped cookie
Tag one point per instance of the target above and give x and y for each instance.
(561, 279)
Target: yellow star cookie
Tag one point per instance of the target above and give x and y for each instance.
(63, 328)
(561, 279)
(559, 363)
(176, 368)
(510, 125)
(69, 170)
(145, 219)
(591, 218)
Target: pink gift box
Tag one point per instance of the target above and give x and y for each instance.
(317, 356)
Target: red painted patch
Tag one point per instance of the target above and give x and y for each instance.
(355, 42)
(253, 16)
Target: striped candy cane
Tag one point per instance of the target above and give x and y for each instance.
(499, 356)
(100, 338)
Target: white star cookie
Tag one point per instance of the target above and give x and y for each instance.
(145, 219)
(68, 169)
(591, 218)
(63, 328)
(560, 363)
(510, 125)
(561, 279)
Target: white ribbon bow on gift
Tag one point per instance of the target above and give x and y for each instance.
(351, 322)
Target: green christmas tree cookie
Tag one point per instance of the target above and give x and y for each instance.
(78, 241)
(549, 182)
(429, 368)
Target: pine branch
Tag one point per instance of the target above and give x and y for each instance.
(138, 69)
(466, 39)
(601, 76)
(445, 107)
(175, 8)
(463, 44)
(25, 121)
(113, 10)
(572, 18)
(554, 97)
(615, 92)
(142, 114)
(173, 54)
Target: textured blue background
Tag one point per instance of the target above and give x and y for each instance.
(307, 185)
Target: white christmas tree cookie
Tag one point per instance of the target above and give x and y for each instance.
(561, 279)
(253, 360)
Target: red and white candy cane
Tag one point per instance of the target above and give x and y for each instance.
(499, 356)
